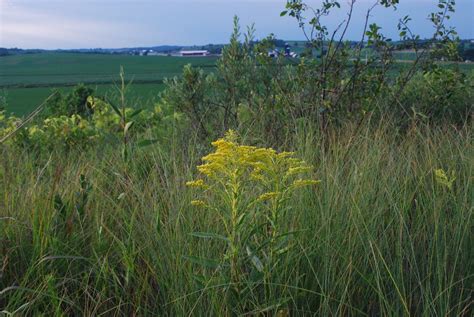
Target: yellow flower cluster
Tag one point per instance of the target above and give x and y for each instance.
(263, 169)
(443, 179)
(197, 183)
(198, 203)
(304, 182)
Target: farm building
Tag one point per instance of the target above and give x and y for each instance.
(194, 53)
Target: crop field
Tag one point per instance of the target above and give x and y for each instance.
(25, 80)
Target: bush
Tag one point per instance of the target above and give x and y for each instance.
(74, 102)
(439, 95)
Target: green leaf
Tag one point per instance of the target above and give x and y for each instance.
(255, 260)
(200, 280)
(125, 153)
(290, 233)
(255, 276)
(135, 113)
(241, 218)
(283, 13)
(114, 107)
(144, 143)
(209, 235)
(127, 127)
(210, 263)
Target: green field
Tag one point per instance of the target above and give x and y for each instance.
(25, 80)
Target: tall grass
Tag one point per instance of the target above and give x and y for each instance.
(83, 233)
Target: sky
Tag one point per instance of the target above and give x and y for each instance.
(66, 24)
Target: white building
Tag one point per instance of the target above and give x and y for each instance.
(194, 53)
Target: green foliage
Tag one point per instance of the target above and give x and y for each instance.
(123, 126)
(381, 235)
(261, 95)
(74, 103)
(212, 102)
(73, 131)
(438, 95)
(191, 95)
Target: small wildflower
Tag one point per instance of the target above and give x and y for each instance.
(196, 183)
(198, 203)
(443, 179)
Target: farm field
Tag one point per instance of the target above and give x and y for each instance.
(25, 80)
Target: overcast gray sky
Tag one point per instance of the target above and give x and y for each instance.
(125, 23)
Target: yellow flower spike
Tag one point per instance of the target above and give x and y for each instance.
(196, 183)
(284, 155)
(304, 182)
(221, 143)
(298, 170)
(198, 203)
(293, 161)
(443, 179)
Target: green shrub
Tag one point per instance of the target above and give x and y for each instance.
(439, 95)
(75, 102)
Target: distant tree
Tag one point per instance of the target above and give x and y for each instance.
(4, 51)
(466, 53)
(279, 43)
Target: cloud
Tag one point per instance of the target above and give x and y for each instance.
(122, 23)
(25, 26)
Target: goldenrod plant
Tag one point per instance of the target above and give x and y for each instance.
(248, 189)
